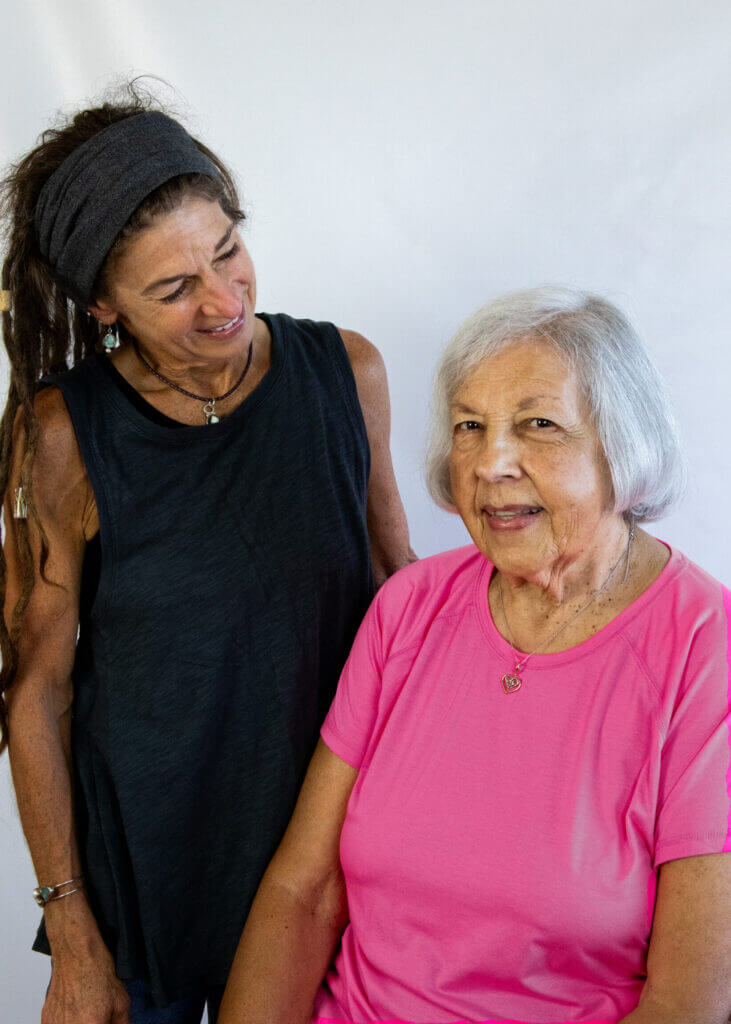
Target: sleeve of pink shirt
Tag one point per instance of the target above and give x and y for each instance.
(351, 719)
(695, 777)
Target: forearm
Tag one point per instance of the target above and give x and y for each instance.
(40, 759)
(283, 955)
(389, 537)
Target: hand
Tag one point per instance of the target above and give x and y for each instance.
(86, 990)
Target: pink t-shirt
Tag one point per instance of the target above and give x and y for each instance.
(500, 850)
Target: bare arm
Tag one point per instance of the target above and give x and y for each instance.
(84, 988)
(300, 909)
(689, 961)
(387, 526)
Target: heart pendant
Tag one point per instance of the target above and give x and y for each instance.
(511, 683)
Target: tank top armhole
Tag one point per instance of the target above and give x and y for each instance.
(91, 571)
(76, 385)
(349, 388)
(91, 564)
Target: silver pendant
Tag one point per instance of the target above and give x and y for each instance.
(209, 411)
(511, 682)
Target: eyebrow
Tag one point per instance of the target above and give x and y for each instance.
(529, 400)
(524, 403)
(179, 277)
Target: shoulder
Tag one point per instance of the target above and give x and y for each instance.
(697, 582)
(703, 607)
(681, 630)
(318, 336)
(56, 431)
(365, 360)
(410, 600)
(53, 416)
(371, 382)
(55, 437)
(693, 597)
(682, 593)
(367, 365)
(58, 469)
(362, 353)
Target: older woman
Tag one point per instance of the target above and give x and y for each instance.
(519, 804)
(193, 518)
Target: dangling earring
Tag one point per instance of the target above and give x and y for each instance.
(111, 341)
(629, 545)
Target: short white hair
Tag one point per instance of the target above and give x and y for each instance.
(627, 398)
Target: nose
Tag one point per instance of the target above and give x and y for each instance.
(498, 457)
(220, 298)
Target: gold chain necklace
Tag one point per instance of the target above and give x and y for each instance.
(511, 681)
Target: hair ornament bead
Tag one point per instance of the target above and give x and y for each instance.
(20, 506)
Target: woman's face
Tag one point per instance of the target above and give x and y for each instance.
(185, 287)
(528, 475)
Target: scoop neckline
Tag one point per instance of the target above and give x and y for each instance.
(183, 433)
(544, 662)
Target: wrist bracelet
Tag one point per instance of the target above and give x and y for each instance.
(47, 893)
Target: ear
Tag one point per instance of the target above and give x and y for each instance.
(103, 312)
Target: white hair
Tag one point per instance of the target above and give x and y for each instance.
(627, 399)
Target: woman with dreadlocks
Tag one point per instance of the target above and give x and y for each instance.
(198, 499)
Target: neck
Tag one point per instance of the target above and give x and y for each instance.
(205, 380)
(570, 579)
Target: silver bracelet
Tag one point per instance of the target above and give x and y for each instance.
(47, 893)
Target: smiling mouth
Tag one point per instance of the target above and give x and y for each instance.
(512, 512)
(225, 328)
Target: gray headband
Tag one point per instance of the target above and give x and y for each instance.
(88, 199)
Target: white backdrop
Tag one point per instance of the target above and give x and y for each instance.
(402, 162)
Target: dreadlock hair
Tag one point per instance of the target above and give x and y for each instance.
(46, 331)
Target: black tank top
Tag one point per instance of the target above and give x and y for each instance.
(235, 569)
(92, 567)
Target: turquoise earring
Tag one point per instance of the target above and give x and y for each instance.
(111, 341)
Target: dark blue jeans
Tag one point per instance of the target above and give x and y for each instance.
(184, 1011)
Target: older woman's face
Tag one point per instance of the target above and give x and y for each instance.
(185, 286)
(528, 475)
